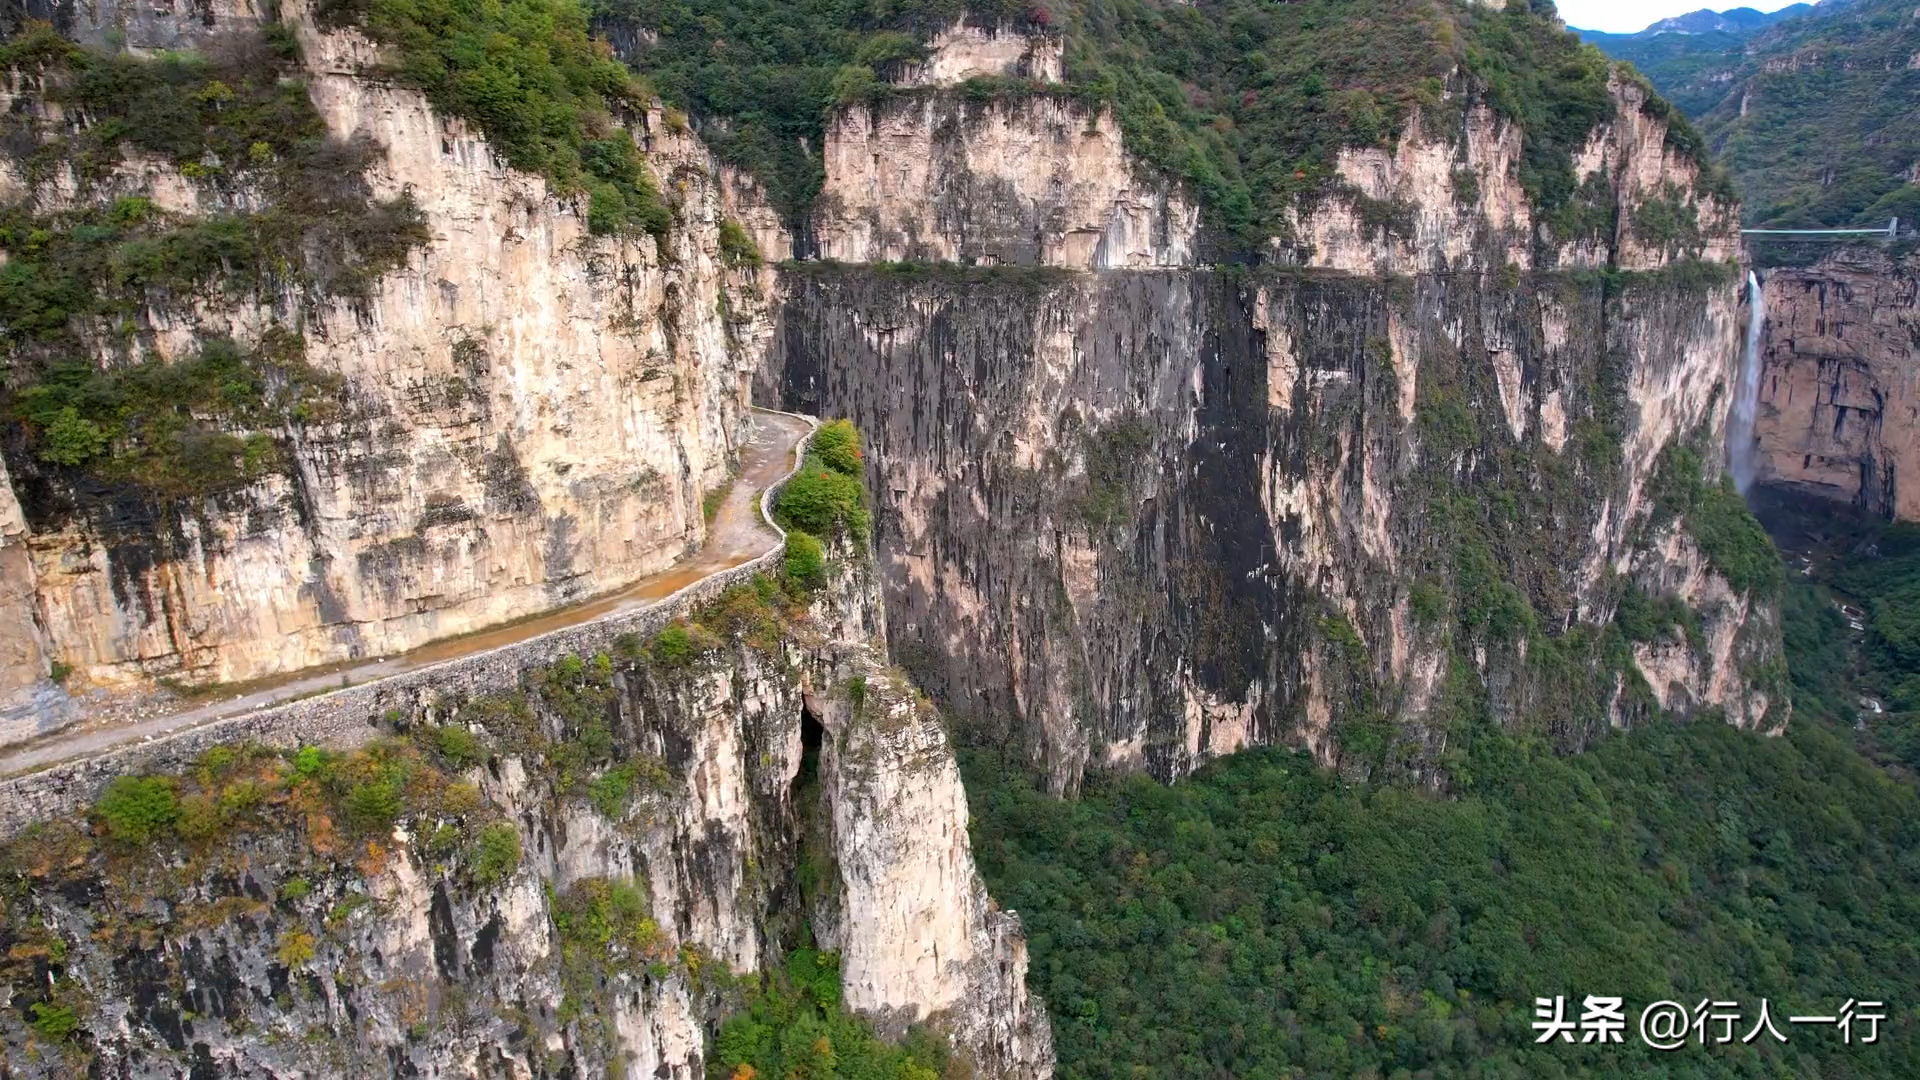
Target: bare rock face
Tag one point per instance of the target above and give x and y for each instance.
(968, 51)
(1136, 513)
(303, 951)
(1839, 410)
(918, 934)
(937, 177)
(30, 702)
(1438, 202)
(531, 416)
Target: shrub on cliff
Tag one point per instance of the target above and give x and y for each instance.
(136, 810)
(672, 646)
(796, 1026)
(496, 853)
(1717, 518)
(736, 244)
(170, 427)
(824, 501)
(837, 444)
(806, 560)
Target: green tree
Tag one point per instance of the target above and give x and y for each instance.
(137, 809)
(71, 439)
(806, 560)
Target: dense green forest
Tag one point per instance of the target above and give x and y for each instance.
(1268, 918)
(1876, 571)
(1246, 100)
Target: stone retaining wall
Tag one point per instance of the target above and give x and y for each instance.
(351, 715)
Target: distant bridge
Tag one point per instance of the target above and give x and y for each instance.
(1889, 234)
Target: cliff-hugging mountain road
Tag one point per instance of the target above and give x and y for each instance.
(738, 533)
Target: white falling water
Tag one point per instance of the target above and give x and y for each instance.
(1741, 456)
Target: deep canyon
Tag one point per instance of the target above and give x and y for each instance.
(1140, 500)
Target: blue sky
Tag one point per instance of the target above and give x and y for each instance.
(1626, 16)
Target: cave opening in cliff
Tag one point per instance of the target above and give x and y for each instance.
(812, 735)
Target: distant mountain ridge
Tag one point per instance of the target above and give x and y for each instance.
(1814, 109)
(1690, 57)
(1819, 121)
(1742, 20)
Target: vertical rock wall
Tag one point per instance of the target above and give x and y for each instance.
(1127, 504)
(1839, 414)
(531, 415)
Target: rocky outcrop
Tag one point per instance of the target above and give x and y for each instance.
(1453, 201)
(967, 50)
(918, 934)
(30, 701)
(325, 953)
(1137, 513)
(931, 176)
(530, 415)
(1839, 410)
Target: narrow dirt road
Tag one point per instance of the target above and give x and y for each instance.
(736, 534)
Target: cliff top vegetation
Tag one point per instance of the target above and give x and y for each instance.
(1246, 100)
(79, 278)
(550, 99)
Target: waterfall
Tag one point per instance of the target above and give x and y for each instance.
(1741, 456)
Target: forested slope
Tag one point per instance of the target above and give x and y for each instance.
(1821, 124)
(1266, 919)
(1688, 56)
(1816, 117)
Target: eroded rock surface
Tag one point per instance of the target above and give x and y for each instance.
(298, 946)
(530, 414)
(1128, 502)
(1839, 411)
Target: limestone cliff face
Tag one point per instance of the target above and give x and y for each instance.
(1839, 413)
(1453, 201)
(917, 932)
(968, 50)
(406, 960)
(937, 177)
(929, 175)
(530, 413)
(1126, 504)
(28, 697)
